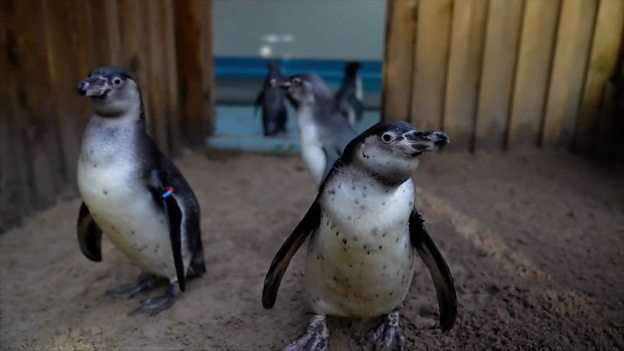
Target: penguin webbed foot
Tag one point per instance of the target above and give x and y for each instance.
(316, 337)
(144, 282)
(155, 305)
(387, 336)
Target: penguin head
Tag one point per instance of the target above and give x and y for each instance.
(306, 89)
(390, 150)
(112, 91)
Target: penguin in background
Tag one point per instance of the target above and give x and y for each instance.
(134, 194)
(323, 131)
(273, 102)
(349, 96)
(362, 232)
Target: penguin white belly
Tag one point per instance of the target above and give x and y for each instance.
(312, 151)
(125, 211)
(360, 261)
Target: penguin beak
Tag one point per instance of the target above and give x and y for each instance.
(419, 142)
(94, 86)
(284, 84)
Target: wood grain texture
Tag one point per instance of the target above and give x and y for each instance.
(431, 62)
(34, 104)
(497, 78)
(571, 54)
(398, 59)
(172, 111)
(464, 71)
(605, 48)
(533, 72)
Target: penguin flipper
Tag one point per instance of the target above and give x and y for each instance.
(307, 225)
(174, 214)
(89, 235)
(438, 268)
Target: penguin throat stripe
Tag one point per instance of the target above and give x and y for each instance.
(168, 192)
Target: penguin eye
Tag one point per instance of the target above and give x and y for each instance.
(117, 82)
(387, 137)
(297, 81)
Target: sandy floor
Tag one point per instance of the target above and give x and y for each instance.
(535, 241)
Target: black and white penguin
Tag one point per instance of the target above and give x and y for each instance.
(133, 193)
(323, 132)
(361, 231)
(273, 102)
(349, 96)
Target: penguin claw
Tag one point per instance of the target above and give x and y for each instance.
(316, 337)
(387, 336)
(144, 282)
(155, 305)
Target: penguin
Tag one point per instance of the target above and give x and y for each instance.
(348, 98)
(361, 232)
(133, 194)
(273, 102)
(323, 132)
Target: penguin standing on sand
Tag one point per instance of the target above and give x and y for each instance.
(349, 96)
(323, 131)
(362, 230)
(134, 194)
(273, 102)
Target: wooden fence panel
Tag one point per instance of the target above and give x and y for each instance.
(431, 62)
(464, 70)
(573, 42)
(397, 76)
(499, 62)
(533, 71)
(504, 73)
(606, 44)
(34, 105)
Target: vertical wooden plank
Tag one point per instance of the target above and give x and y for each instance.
(157, 73)
(571, 54)
(14, 185)
(399, 50)
(172, 111)
(431, 62)
(105, 17)
(34, 105)
(208, 82)
(499, 61)
(71, 55)
(134, 48)
(532, 72)
(603, 57)
(191, 64)
(464, 71)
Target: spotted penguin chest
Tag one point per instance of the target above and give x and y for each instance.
(127, 214)
(360, 261)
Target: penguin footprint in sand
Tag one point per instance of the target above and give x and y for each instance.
(133, 194)
(362, 230)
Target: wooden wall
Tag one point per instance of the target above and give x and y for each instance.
(49, 45)
(503, 73)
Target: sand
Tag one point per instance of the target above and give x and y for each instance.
(535, 242)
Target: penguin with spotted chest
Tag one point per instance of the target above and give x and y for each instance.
(361, 231)
(133, 194)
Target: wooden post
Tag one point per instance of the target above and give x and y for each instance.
(603, 57)
(192, 25)
(398, 59)
(533, 72)
(497, 79)
(433, 30)
(571, 54)
(464, 72)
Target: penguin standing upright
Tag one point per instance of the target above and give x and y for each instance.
(361, 231)
(323, 131)
(273, 102)
(133, 193)
(349, 96)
